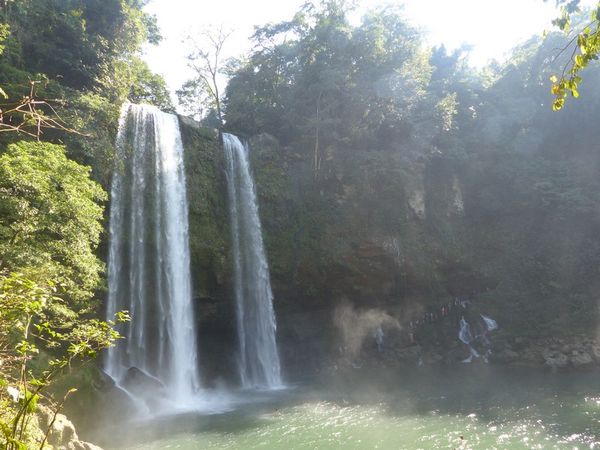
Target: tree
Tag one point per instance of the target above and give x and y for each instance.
(28, 324)
(50, 219)
(319, 81)
(96, 38)
(50, 223)
(582, 49)
(202, 92)
(149, 87)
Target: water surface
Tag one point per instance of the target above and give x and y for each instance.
(475, 407)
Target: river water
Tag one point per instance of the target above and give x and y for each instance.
(469, 407)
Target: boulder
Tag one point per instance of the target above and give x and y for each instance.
(595, 350)
(63, 435)
(555, 359)
(506, 356)
(138, 382)
(581, 359)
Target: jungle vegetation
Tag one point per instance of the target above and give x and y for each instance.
(370, 98)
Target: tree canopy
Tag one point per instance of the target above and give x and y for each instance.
(318, 80)
(50, 216)
(66, 66)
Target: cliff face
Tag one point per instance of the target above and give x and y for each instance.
(393, 238)
(374, 228)
(379, 234)
(209, 250)
(381, 231)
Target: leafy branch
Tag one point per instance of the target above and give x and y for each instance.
(25, 320)
(584, 47)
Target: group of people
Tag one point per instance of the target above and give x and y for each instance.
(473, 329)
(435, 316)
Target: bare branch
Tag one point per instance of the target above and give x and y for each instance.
(27, 117)
(207, 62)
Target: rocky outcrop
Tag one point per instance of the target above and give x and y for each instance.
(566, 353)
(554, 359)
(139, 383)
(62, 434)
(580, 359)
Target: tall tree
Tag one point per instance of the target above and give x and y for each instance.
(202, 93)
(50, 216)
(319, 80)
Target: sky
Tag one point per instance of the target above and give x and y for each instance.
(491, 27)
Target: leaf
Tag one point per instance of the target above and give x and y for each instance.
(32, 401)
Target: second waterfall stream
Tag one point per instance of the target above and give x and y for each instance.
(259, 365)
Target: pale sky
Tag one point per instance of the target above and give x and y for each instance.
(492, 27)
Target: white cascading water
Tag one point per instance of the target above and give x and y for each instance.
(466, 336)
(149, 259)
(258, 360)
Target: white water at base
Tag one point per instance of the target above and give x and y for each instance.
(149, 260)
(259, 365)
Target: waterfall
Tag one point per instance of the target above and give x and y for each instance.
(149, 260)
(465, 335)
(490, 323)
(258, 358)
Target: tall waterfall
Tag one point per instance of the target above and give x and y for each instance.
(149, 260)
(259, 360)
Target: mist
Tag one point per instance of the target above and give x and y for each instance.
(318, 226)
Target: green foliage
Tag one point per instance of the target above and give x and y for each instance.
(93, 36)
(96, 118)
(367, 121)
(149, 87)
(95, 52)
(28, 322)
(208, 215)
(584, 48)
(533, 221)
(87, 71)
(195, 99)
(319, 81)
(50, 217)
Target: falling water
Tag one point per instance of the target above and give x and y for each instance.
(465, 335)
(490, 323)
(259, 361)
(149, 261)
(469, 339)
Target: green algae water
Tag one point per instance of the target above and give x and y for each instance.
(461, 408)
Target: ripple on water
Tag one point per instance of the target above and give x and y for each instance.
(515, 417)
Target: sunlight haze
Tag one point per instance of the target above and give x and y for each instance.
(299, 224)
(492, 28)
